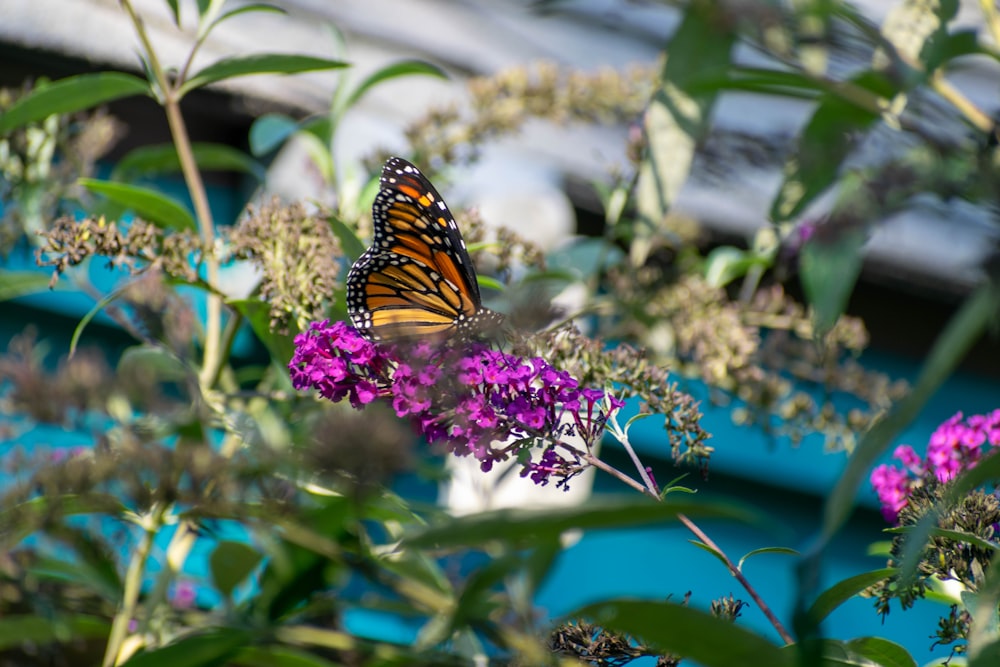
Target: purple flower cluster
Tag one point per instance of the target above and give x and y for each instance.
(468, 400)
(954, 447)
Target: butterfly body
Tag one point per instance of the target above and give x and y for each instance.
(416, 281)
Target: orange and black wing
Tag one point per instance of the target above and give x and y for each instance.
(417, 279)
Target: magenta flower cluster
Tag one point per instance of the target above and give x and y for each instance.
(955, 446)
(470, 400)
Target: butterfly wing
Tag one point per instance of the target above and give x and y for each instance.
(417, 279)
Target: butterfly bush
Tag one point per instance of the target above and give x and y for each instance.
(470, 400)
(956, 446)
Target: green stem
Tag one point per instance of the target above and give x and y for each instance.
(650, 490)
(735, 571)
(133, 585)
(196, 188)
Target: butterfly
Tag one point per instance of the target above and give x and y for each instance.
(416, 281)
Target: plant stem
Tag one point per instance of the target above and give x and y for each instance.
(196, 188)
(133, 584)
(617, 474)
(963, 104)
(735, 571)
(651, 490)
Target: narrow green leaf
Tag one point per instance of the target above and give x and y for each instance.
(279, 656)
(844, 590)
(261, 63)
(206, 649)
(529, 526)
(727, 263)
(766, 550)
(101, 581)
(162, 159)
(678, 116)
(761, 80)
(683, 631)
(393, 71)
(956, 535)
(988, 656)
(824, 144)
(715, 552)
(350, 244)
(270, 131)
(862, 652)
(175, 11)
(246, 9)
(16, 631)
(258, 316)
(21, 283)
(164, 365)
(828, 270)
(74, 341)
(964, 328)
(882, 651)
(231, 563)
(146, 203)
(984, 630)
(74, 93)
(19, 521)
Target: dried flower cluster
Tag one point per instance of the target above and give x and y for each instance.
(501, 104)
(469, 400)
(41, 162)
(754, 350)
(298, 256)
(140, 246)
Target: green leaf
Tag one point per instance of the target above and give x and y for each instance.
(205, 649)
(678, 116)
(350, 244)
(881, 651)
(101, 581)
(761, 80)
(74, 93)
(270, 131)
(16, 631)
(842, 591)
(727, 263)
(956, 535)
(824, 144)
(21, 283)
(246, 9)
(231, 563)
(948, 47)
(175, 11)
(146, 203)
(686, 632)
(301, 564)
(164, 365)
(279, 656)
(766, 550)
(828, 270)
(162, 159)
(523, 526)
(393, 71)
(22, 519)
(861, 652)
(90, 315)
(261, 63)
(258, 316)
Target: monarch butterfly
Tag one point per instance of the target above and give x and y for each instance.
(416, 281)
